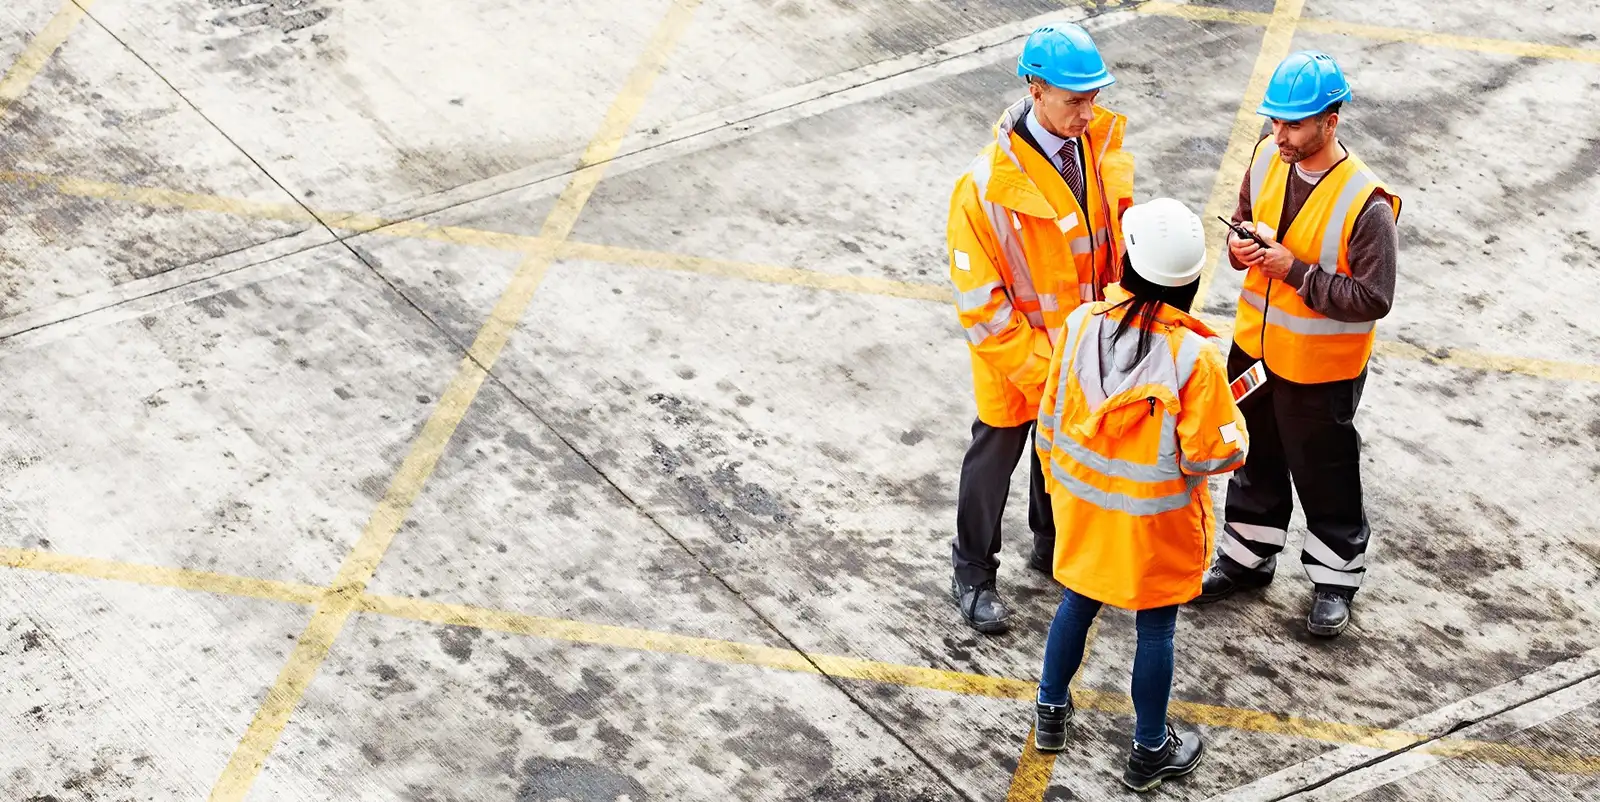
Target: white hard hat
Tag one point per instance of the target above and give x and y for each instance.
(1165, 241)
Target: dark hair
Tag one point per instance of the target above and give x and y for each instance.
(1333, 108)
(1146, 302)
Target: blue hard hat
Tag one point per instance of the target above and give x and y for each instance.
(1303, 85)
(1064, 56)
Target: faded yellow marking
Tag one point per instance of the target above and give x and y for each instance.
(1035, 768)
(769, 274)
(1275, 45)
(14, 84)
(1382, 33)
(722, 268)
(343, 596)
(771, 657)
(159, 198)
(159, 576)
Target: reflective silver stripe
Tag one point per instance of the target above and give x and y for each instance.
(1259, 534)
(1086, 292)
(1215, 465)
(1238, 552)
(1163, 471)
(1083, 245)
(1258, 171)
(1117, 501)
(1048, 302)
(978, 332)
(1189, 350)
(977, 297)
(1328, 576)
(1333, 234)
(1021, 290)
(1314, 326)
(1047, 420)
(1320, 552)
(1040, 441)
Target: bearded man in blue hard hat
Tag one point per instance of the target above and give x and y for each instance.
(1314, 289)
(1034, 230)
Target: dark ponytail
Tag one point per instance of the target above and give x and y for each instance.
(1145, 303)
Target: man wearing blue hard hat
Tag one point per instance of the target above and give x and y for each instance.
(1033, 232)
(1314, 288)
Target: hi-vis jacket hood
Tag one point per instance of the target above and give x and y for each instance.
(1024, 253)
(1126, 465)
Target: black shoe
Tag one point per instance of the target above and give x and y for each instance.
(1147, 768)
(1330, 613)
(1043, 560)
(1050, 726)
(980, 604)
(1227, 577)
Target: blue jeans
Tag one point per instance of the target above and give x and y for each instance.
(1152, 662)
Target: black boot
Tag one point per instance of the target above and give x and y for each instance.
(1147, 768)
(1227, 577)
(980, 604)
(1050, 726)
(1043, 557)
(1330, 612)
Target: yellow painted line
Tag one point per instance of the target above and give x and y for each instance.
(699, 265)
(1032, 777)
(158, 198)
(344, 595)
(768, 274)
(1521, 756)
(14, 84)
(1509, 47)
(1275, 45)
(770, 657)
(159, 576)
(1034, 769)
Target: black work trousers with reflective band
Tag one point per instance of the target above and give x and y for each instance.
(981, 503)
(1303, 433)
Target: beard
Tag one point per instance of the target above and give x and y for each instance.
(1294, 155)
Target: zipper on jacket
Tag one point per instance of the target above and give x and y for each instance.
(1152, 400)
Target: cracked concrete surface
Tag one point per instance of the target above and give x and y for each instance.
(226, 391)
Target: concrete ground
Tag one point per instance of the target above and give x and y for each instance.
(561, 401)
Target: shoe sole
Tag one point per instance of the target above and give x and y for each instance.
(994, 628)
(1156, 782)
(1201, 601)
(1327, 632)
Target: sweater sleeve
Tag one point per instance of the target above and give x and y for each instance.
(1368, 292)
(1241, 213)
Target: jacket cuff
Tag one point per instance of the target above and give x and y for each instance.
(1297, 274)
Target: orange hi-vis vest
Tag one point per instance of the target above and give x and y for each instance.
(1024, 254)
(1126, 466)
(1298, 343)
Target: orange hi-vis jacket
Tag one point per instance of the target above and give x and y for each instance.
(1298, 343)
(1024, 254)
(1126, 466)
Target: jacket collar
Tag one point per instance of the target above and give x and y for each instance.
(1009, 185)
(1166, 314)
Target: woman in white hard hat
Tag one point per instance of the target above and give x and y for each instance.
(1136, 414)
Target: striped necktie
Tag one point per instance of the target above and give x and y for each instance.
(1072, 171)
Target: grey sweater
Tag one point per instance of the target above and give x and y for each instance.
(1365, 294)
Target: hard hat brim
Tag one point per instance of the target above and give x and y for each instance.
(1087, 83)
(1294, 113)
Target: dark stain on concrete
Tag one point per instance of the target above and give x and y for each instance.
(785, 742)
(520, 687)
(913, 437)
(370, 752)
(564, 507)
(31, 640)
(389, 682)
(457, 641)
(575, 780)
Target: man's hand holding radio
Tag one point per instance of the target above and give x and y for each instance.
(1273, 261)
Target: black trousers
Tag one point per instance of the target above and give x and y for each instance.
(981, 503)
(1304, 434)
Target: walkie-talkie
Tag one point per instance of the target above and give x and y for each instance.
(1244, 233)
